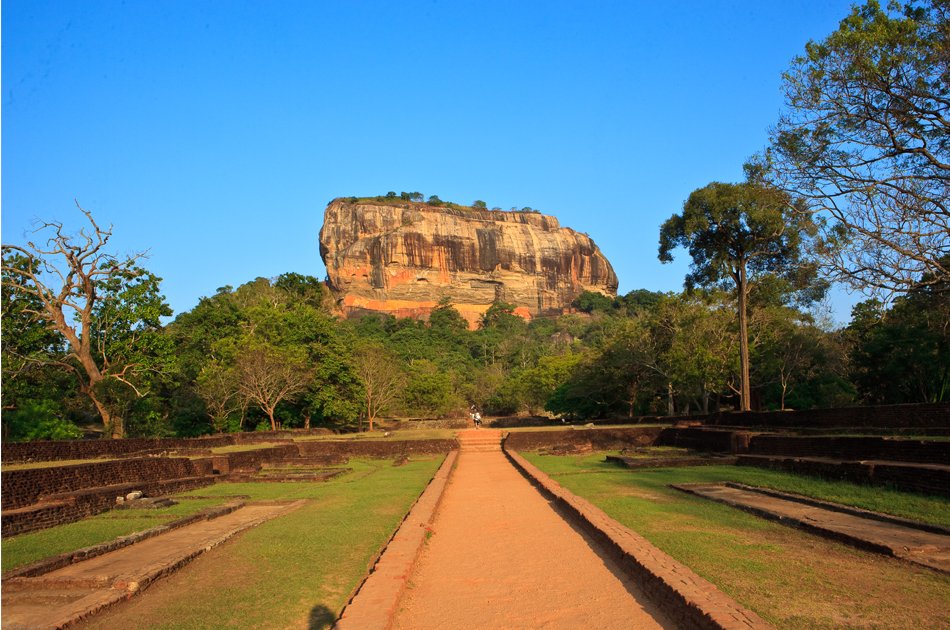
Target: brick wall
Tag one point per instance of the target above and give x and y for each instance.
(715, 440)
(21, 488)
(935, 415)
(252, 460)
(53, 450)
(894, 449)
(923, 478)
(89, 503)
(375, 448)
(598, 439)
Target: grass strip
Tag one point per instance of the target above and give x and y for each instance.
(294, 571)
(21, 550)
(791, 578)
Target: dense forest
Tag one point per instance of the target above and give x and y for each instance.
(270, 354)
(852, 188)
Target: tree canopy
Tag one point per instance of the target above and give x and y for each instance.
(865, 139)
(736, 235)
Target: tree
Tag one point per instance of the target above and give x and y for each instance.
(218, 386)
(902, 355)
(382, 377)
(429, 391)
(108, 309)
(479, 204)
(737, 233)
(268, 377)
(866, 140)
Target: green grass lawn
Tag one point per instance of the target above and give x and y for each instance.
(53, 463)
(791, 578)
(294, 571)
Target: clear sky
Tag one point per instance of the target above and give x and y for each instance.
(214, 132)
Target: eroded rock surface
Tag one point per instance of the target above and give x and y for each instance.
(402, 258)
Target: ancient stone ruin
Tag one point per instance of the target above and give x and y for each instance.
(401, 258)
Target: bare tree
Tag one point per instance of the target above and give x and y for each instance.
(218, 386)
(75, 288)
(866, 140)
(382, 379)
(268, 377)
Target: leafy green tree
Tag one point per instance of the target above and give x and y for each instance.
(866, 140)
(478, 204)
(590, 301)
(300, 288)
(30, 349)
(38, 420)
(429, 391)
(902, 355)
(108, 309)
(735, 234)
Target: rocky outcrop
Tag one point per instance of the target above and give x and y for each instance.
(401, 258)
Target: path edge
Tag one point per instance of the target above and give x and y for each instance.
(375, 601)
(52, 563)
(687, 599)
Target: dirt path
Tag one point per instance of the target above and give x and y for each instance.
(78, 590)
(501, 557)
(902, 541)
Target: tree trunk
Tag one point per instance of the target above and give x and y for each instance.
(369, 411)
(273, 422)
(111, 422)
(745, 389)
(670, 410)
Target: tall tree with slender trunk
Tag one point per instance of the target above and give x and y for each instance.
(735, 234)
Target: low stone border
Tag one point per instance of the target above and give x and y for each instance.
(853, 539)
(46, 565)
(376, 600)
(687, 599)
(669, 462)
(845, 509)
(126, 587)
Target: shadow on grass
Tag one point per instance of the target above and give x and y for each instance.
(321, 617)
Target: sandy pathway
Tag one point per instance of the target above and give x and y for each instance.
(501, 557)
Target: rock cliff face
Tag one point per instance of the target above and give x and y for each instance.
(402, 258)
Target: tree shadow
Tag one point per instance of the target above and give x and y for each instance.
(321, 617)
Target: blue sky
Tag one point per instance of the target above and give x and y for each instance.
(213, 133)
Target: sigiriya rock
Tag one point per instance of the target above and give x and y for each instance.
(400, 258)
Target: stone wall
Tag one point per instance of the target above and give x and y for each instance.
(25, 487)
(883, 416)
(597, 439)
(857, 448)
(88, 502)
(923, 478)
(700, 439)
(57, 450)
(375, 448)
(244, 461)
